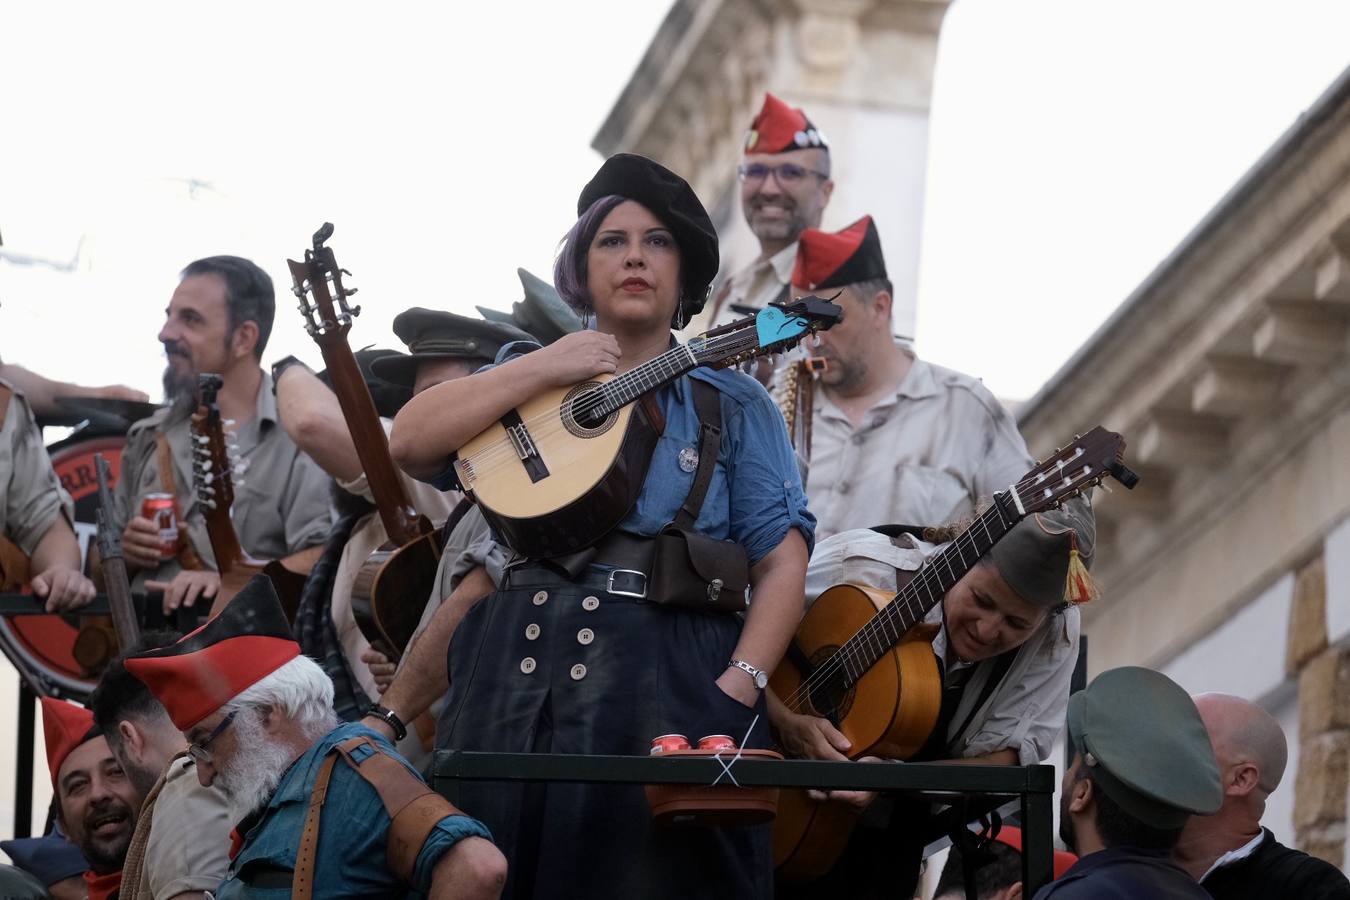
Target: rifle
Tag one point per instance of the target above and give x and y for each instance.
(124, 619)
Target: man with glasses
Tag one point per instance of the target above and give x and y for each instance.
(182, 840)
(323, 808)
(785, 186)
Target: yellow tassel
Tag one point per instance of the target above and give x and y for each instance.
(1078, 585)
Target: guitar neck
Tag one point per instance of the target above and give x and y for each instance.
(926, 589)
(620, 391)
(225, 544)
(400, 519)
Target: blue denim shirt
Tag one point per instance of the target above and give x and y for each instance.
(756, 491)
(353, 831)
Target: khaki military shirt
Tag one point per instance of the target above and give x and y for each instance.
(757, 285)
(31, 496)
(367, 537)
(189, 844)
(280, 508)
(925, 456)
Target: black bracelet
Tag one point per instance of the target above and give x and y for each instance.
(280, 366)
(390, 718)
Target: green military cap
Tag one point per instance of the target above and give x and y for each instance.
(542, 313)
(434, 334)
(1148, 750)
(1045, 557)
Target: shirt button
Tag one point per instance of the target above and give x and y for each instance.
(590, 603)
(857, 438)
(585, 636)
(843, 487)
(531, 631)
(578, 672)
(787, 484)
(540, 597)
(527, 665)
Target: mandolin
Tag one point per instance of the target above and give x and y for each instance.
(558, 472)
(213, 471)
(392, 587)
(863, 659)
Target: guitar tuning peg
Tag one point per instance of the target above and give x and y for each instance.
(239, 482)
(228, 423)
(209, 504)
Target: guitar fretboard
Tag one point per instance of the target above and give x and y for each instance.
(623, 390)
(937, 576)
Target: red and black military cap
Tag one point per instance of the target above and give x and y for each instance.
(838, 259)
(779, 128)
(249, 640)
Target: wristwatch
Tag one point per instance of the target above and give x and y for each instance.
(282, 365)
(390, 718)
(761, 677)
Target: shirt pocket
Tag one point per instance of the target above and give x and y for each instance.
(923, 495)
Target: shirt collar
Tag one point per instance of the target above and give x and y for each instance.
(1233, 856)
(918, 382)
(784, 262)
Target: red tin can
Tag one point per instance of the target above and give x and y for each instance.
(668, 742)
(159, 508)
(717, 742)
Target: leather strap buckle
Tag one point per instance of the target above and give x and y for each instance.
(627, 583)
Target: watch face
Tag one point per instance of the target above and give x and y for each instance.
(761, 680)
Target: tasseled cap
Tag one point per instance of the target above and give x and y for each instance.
(670, 198)
(779, 128)
(1044, 558)
(65, 726)
(837, 259)
(1142, 737)
(249, 640)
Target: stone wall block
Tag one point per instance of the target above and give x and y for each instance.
(1323, 777)
(1308, 616)
(1324, 693)
(1326, 843)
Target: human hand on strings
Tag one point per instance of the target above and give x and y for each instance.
(806, 736)
(576, 357)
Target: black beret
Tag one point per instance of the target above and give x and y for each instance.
(670, 198)
(434, 334)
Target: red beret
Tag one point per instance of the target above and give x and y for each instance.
(779, 128)
(65, 726)
(249, 640)
(826, 260)
(1012, 836)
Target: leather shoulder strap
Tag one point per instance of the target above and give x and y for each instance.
(708, 404)
(302, 882)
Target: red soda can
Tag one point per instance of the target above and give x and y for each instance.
(159, 508)
(668, 742)
(717, 742)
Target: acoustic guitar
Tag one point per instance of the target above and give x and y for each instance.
(393, 585)
(213, 471)
(558, 472)
(863, 659)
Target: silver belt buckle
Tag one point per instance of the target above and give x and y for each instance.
(609, 585)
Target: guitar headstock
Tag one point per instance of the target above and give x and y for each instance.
(317, 283)
(776, 327)
(1071, 470)
(213, 467)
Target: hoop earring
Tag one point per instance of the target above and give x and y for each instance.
(586, 320)
(681, 319)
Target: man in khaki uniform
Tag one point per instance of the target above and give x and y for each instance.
(785, 186)
(894, 439)
(35, 513)
(218, 320)
(181, 845)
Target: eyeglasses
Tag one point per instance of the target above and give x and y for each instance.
(784, 173)
(198, 751)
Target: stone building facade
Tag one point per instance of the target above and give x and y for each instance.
(1228, 371)
(862, 70)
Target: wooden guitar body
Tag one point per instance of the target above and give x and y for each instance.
(579, 481)
(888, 712)
(391, 590)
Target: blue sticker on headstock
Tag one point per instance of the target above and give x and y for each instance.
(772, 326)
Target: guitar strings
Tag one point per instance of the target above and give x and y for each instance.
(550, 422)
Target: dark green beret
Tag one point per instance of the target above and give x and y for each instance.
(1034, 556)
(434, 334)
(542, 313)
(1147, 748)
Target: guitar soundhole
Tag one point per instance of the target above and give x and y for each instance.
(575, 416)
(829, 698)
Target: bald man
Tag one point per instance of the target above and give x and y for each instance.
(1229, 853)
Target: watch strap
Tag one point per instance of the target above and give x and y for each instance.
(760, 677)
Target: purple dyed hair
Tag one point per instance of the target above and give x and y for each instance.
(569, 270)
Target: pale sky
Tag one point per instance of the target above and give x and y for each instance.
(1074, 143)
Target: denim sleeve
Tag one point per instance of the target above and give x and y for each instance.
(447, 479)
(448, 832)
(766, 497)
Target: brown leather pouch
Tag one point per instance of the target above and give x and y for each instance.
(698, 572)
